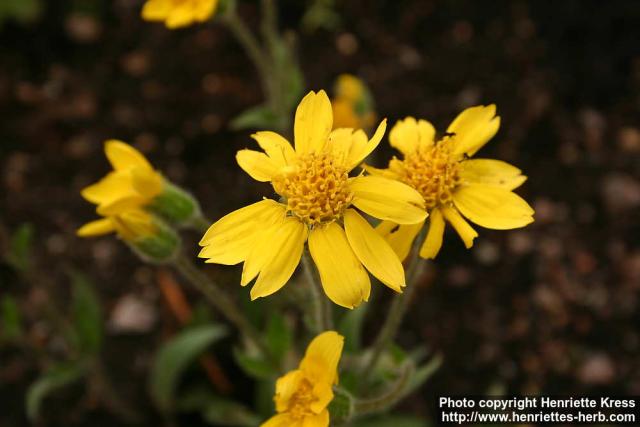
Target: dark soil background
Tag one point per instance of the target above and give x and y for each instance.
(551, 309)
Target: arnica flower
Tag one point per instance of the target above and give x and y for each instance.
(178, 13)
(352, 104)
(317, 204)
(302, 395)
(134, 184)
(147, 236)
(453, 186)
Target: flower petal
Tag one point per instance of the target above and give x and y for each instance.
(492, 172)
(317, 420)
(473, 128)
(343, 277)
(410, 134)
(361, 148)
(156, 10)
(229, 240)
(285, 247)
(387, 199)
(373, 251)
(399, 237)
(113, 186)
(492, 207)
(276, 146)
(123, 156)
(258, 165)
(386, 173)
(313, 122)
(323, 354)
(465, 231)
(122, 204)
(286, 387)
(433, 241)
(147, 182)
(96, 228)
(279, 420)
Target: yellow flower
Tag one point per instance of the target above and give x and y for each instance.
(132, 184)
(317, 201)
(129, 226)
(352, 105)
(302, 395)
(178, 13)
(453, 186)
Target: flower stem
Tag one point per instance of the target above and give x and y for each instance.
(398, 307)
(221, 301)
(323, 318)
(200, 223)
(385, 401)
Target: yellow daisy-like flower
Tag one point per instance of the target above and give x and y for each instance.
(132, 184)
(352, 104)
(179, 13)
(129, 226)
(453, 186)
(317, 201)
(302, 395)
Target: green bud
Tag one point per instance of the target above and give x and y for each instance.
(157, 248)
(175, 205)
(341, 407)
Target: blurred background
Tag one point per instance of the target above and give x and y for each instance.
(552, 308)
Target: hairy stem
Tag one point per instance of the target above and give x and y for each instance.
(221, 301)
(385, 401)
(323, 318)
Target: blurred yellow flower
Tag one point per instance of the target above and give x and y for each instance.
(302, 395)
(317, 201)
(129, 226)
(352, 104)
(453, 186)
(132, 184)
(179, 13)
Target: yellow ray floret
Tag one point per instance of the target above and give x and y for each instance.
(318, 203)
(179, 13)
(452, 185)
(302, 395)
(129, 226)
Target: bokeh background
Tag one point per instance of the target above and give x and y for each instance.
(552, 308)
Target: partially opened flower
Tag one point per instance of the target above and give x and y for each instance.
(302, 395)
(179, 13)
(352, 104)
(135, 184)
(453, 186)
(318, 202)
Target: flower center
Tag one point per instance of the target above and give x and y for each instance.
(300, 403)
(316, 190)
(434, 172)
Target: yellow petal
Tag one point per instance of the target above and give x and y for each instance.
(258, 165)
(123, 156)
(120, 205)
(323, 393)
(229, 240)
(286, 249)
(386, 173)
(492, 172)
(180, 16)
(134, 224)
(113, 186)
(492, 207)
(260, 253)
(399, 237)
(286, 386)
(433, 241)
(156, 10)
(473, 128)
(313, 122)
(373, 251)
(362, 148)
(317, 420)
(387, 199)
(147, 182)
(344, 280)
(204, 9)
(462, 227)
(276, 147)
(321, 359)
(409, 134)
(279, 420)
(340, 142)
(96, 228)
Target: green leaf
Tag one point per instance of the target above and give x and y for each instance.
(20, 247)
(86, 315)
(11, 328)
(49, 382)
(392, 421)
(229, 413)
(175, 356)
(351, 328)
(23, 11)
(258, 117)
(279, 335)
(255, 367)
